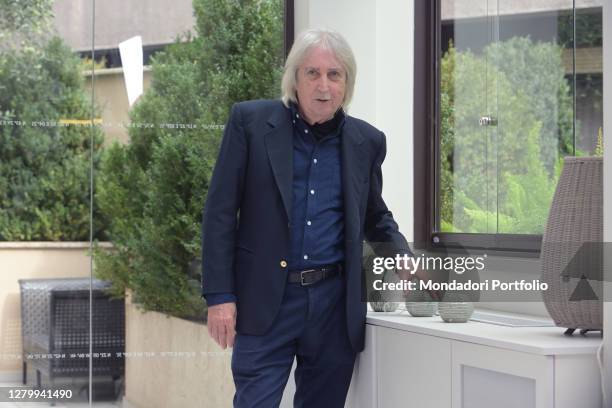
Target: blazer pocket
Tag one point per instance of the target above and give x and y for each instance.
(240, 247)
(243, 260)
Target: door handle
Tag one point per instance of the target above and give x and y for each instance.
(487, 121)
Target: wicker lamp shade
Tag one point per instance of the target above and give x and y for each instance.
(572, 246)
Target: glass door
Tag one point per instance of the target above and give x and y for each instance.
(468, 162)
(111, 114)
(519, 90)
(170, 72)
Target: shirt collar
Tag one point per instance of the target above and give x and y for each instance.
(321, 130)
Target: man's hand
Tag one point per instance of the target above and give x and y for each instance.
(419, 275)
(222, 323)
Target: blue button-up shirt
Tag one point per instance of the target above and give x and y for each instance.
(317, 217)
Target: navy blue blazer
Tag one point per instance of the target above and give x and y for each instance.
(245, 225)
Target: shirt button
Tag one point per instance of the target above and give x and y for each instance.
(297, 116)
(315, 161)
(312, 192)
(283, 263)
(308, 222)
(305, 130)
(305, 256)
(293, 120)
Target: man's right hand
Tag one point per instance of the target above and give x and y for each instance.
(420, 274)
(222, 323)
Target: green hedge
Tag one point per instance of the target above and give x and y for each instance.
(154, 188)
(45, 170)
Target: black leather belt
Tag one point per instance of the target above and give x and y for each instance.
(310, 276)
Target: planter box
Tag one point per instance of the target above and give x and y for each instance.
(171, 362)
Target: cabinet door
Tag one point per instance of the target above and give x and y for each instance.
(413, 370)
(362, 393)
(577, 381)
(485, 377)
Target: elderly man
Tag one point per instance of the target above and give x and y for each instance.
(296, 189)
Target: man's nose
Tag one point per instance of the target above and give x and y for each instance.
(323, 84)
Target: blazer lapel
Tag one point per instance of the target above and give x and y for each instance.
(354, 177)
(279, 145)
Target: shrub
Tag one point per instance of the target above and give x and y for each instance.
(45, 170)
(154, 188)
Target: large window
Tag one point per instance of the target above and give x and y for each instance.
(111, 114)
(514, 86)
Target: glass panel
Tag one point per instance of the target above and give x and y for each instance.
(510, 174)
(589, 77)
(467, 163)
(46, 145)
(171, 74)
(536, 112)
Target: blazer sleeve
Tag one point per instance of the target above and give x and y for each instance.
(380, 229)
(213, 299)
(220, 216)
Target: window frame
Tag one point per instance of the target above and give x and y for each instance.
(426, 142)
(289, 25)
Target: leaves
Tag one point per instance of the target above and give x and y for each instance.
(44, 170)
(25, 23)
(153, 189)
(501, 179)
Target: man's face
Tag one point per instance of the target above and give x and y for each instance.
(321, 83)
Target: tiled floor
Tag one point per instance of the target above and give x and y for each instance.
(80, 400)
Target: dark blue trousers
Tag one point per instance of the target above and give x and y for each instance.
(311, 327)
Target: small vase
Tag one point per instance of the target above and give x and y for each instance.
(419, 303)
(378, 304)
(456, 312)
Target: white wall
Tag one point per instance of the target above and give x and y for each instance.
(607, 52)
(381, 35)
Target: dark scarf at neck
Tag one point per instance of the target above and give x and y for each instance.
(321, 130)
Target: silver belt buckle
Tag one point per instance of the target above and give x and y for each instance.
(302, 282)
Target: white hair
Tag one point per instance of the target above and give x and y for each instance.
(306, 41)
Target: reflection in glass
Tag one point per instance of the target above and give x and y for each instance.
(44, 134)
(47, 146)
(154, 176)
(151, 164)
(508, 109)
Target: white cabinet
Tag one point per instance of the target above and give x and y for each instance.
(423, 363)
(362, 393)
(488, 376)
(401, 369)
(484, 377)
(413, 369)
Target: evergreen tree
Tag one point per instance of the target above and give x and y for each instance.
(44, 166)
(154, 188)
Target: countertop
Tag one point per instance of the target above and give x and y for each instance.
(534, 340)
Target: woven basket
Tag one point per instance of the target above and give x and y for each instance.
(575, 218)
